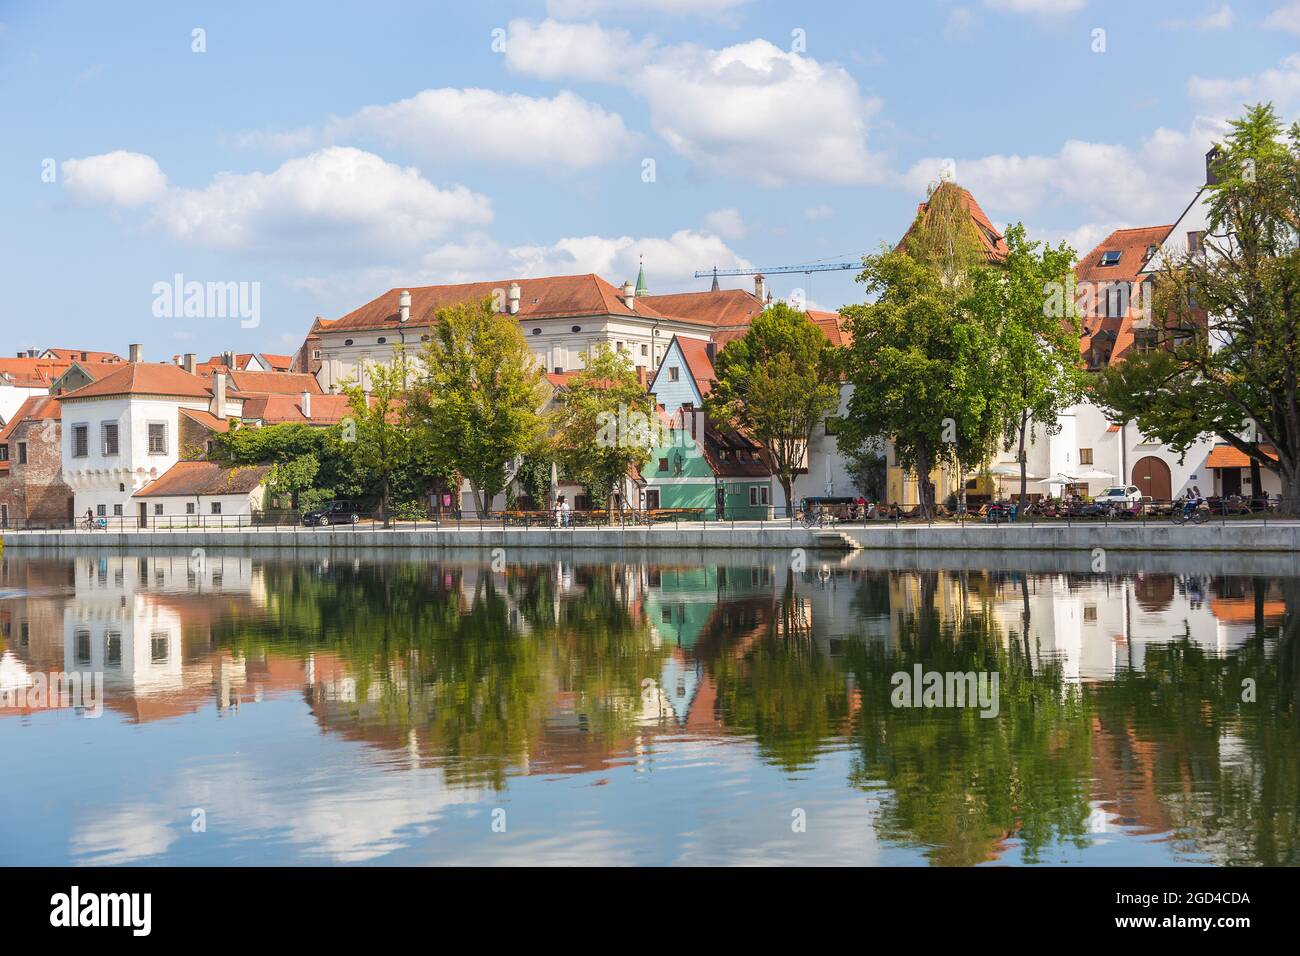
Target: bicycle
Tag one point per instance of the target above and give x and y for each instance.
(817, 519)
(93, 524)
(1196, 515)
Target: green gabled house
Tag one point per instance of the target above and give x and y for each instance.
(719, 470)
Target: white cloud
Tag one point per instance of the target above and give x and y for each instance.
(1279, 85)
(336, 201)
(713, 9)
(819, 212)
(727, 223)
(118, 178)
(586, 52)
(1219, 18)
(1149, 183)
(669, 262)
(565, 130)
(1285, 17)
(752, 110)
(1038, 7)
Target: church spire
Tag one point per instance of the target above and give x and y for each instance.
(640, 279)
(715, 280)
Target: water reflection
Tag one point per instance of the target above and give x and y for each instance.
(627, 709)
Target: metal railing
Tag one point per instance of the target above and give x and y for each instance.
(1148, 511)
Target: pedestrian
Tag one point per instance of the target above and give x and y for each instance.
(559, 504)
(564, 511)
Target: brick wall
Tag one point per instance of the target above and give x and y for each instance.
(34, 492)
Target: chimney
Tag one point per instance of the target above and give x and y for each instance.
(760, 287)
(188, 362)
(403, 307)
(629, 294)
(136, 352)
(228, 359)
(512, 298)
(218, 406)
(306, 405)
(641, 377)
(1211, 159)
(711, 350)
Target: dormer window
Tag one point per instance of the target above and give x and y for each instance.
(1110, 257)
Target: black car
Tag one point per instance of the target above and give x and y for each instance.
(333, 512)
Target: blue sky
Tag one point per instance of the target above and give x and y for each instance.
(331, 151)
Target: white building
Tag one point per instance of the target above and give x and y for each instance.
(129, 428)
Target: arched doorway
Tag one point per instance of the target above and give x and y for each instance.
(1151, 475)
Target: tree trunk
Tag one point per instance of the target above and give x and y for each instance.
(478, 498)
(383, 504)
(1020, 457)
(924, 464)
(787, 489)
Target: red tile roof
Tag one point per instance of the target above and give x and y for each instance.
(83, 355)
(278, 363)
(550, 297)
(31, 372)
(1227, 456)
(273, 383)
(696, 354)
(1106, 338)
(143, 378)
(995, 246)
(34, 408)
(186, 478)
(207, 419)
(282, 409)
(722, 309)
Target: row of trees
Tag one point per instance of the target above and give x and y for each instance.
(468, 408)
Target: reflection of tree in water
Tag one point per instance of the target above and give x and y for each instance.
(963, 785)
(775, 683)
(454, 666)
(1223, 774)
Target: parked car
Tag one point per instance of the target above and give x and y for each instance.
(1119, 495)
(333, 512)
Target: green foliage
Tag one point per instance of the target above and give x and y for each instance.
(922, 368)
(778, 381)
(602, 423)
(376, 436)
(866, 468)
(477, 403)
(1228, 361)
(1035, 352)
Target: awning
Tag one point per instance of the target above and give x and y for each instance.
(1227, 456)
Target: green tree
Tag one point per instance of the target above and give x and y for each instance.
(1036, 346)
(778, 381)
(922, 363)
(301, 458)
(1227, 360)
(376, 435)
(478, 401)
(605, 423)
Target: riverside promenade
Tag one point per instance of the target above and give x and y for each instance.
(1277, 536)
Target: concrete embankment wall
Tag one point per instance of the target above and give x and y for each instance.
(1233, 536)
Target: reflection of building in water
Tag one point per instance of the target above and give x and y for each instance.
(145, 622)
(1094, 626)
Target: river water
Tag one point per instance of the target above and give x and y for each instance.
(648, 708)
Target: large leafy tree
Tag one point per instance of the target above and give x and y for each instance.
(478, 400)
(604, 423)
(922, 362)
(1035, 347)
(778, 381)
(376, 435)
(1227, 360)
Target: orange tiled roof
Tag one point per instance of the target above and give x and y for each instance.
(204, 478)
(143, 378)
(278, 363)
(34, 408)
(31, 372)
(722, 309)
(83, 355)
(696, 354)
(207, 419)
(282, 409)
(1226, 456)
(539, 298)
(1108, 337)
(273, 383)
(995, 246)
